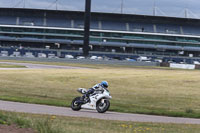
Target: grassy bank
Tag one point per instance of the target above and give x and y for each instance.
(136, 90)
(57, 124)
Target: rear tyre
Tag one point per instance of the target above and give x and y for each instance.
(74, 105)
(103, 107)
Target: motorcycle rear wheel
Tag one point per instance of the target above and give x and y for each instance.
(103, 107)
(76, 106)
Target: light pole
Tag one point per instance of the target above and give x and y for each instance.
(87, 27)
(24, 4)
(56, 4)
(122, 6)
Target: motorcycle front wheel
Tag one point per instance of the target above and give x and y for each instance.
(102, 107)
(74, 105)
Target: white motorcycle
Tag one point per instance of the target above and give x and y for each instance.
(99, 101)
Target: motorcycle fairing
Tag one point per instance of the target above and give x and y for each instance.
(94, 99)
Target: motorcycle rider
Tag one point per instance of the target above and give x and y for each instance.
(97, 87)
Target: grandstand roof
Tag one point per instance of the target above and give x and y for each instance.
(99, 15)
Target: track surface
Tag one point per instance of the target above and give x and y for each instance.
(36, 66)
(62, 111)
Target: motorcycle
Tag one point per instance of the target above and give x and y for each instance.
(99, 101)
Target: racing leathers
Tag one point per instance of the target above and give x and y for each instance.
(97, 87)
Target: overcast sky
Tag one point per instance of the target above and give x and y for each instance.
(163, 7)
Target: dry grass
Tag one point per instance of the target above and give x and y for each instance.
(150, 91)
(11, 66)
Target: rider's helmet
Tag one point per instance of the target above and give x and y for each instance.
(104, 84)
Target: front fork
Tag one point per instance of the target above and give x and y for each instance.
(102, 102)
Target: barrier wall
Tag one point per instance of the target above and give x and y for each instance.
(182, 66)
(84, 61)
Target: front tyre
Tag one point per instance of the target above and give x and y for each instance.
(74, 105)
(102, 107)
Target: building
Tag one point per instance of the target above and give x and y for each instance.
(112, 35)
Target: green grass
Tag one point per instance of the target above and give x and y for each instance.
(60, 124)
(135, 90)
(40, 125)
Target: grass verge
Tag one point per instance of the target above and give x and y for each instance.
(60, 124)
(11, 66)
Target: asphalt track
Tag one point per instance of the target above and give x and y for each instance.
(36, 66)
(63, 111)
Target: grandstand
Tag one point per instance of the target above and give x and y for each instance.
(112, 35)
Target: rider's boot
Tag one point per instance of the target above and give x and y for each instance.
(82, 98)
(85, 98)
